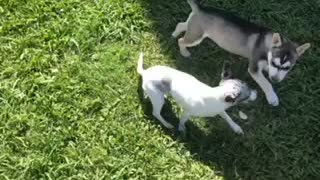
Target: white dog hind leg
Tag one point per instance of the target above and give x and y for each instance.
(183, 119)
(236, 128)
(157, 100)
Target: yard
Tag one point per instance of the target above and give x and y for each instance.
(71, 105)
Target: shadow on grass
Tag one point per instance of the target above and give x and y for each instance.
(230, 155)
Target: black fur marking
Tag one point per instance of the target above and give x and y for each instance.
(226, 72)
(166, 82)
(260, 40)
(246, 26)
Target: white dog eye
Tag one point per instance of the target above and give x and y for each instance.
(285, 68)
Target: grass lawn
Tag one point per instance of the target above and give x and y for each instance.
(71, 106)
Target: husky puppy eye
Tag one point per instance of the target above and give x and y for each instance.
(285, 68)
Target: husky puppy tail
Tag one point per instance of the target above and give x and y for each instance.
(140, 64)
(194, 5)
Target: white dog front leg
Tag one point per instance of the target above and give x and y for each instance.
(236, 128)
(184, 118)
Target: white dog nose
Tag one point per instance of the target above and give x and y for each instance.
(253, 95)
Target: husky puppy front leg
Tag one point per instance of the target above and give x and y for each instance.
(263, 82)
(235, 127)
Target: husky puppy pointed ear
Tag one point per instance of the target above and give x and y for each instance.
(276, 40)
(226, 71)
(301, 49)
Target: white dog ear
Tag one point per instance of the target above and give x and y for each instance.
(301, 49)
(226, 71)
(276, 40)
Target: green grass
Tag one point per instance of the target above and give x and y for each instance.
(71, 106)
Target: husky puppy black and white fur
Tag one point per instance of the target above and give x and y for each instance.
(267, 51)
(196, 98)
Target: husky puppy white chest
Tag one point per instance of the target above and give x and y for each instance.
(266, 51)
(195, 97)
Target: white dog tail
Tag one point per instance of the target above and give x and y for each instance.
(194, 5)
(140, 64)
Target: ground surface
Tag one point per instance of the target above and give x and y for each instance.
(71, 107)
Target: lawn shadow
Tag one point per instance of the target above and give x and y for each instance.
(229, 155)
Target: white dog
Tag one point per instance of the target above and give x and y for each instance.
(195, 97)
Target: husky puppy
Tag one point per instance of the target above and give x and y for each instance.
(266, 51)
(195, 97)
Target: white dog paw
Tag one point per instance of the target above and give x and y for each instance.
(272, 98)
(237, 129)
(181, 128)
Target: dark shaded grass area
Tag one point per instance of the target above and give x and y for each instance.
(279, 143)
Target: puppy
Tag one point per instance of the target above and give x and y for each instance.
(195, 97)
(266, 51)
